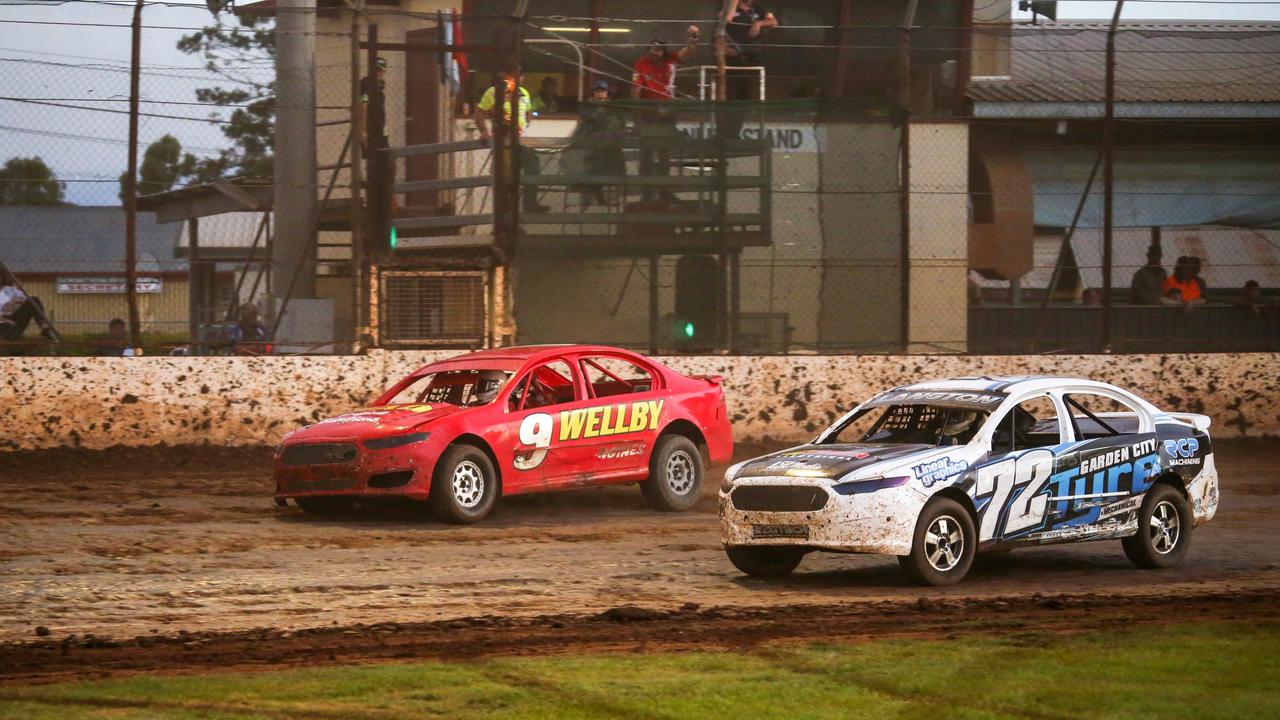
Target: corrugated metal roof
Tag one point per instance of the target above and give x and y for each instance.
(82, 240)
(1209, 62)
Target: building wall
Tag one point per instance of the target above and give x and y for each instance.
(165, 311)
(939, 217)
(102, 402)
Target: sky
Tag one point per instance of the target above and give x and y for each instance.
(88, 66)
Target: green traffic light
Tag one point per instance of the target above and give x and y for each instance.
(688, 329)
(393, 237)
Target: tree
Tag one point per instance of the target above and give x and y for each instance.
(162, 164)
(28, 181)
(228, 50)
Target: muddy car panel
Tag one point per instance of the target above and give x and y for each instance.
(1088, 486)
(586, 434)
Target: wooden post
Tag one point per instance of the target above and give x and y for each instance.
(131, 188)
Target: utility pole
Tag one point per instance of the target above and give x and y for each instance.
(1108, 178)
(904, 208)
(131, 188)
(295, 153)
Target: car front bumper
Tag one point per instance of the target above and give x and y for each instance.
(880, 522)
(370, 474)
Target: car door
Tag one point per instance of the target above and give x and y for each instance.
(628, 398)
(534, 406)
(1118, 458)
(1013, 490)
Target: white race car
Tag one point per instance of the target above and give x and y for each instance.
(938, 471)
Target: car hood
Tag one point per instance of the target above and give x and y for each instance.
(825, 461)
(374, 422)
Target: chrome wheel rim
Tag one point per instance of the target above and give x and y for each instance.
(1165, 528)
(944, 543)
(468, 484)
(680, 474)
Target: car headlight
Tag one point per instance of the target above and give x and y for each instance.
(872, 485)
(396, 441)
(730, 475)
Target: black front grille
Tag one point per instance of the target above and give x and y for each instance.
(779, 498)
(319, 454)
(391, 479)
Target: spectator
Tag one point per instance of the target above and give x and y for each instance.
(654, 75)
(1147, 285)
(1194, 262)
(1184, 281)
(1091, 297)
(548, 100)
(744, 32)
(116, 344)
(602, 128)
(17, 310)
(249, 328)
(1251, 299)
(373, 99)
(487, 110)
(654, 78)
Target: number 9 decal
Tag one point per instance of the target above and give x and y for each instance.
(535, 431)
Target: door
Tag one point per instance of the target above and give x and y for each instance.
(422, 114)
(627, 399)
(1118, 458)
(1012, 490)
(534, 408)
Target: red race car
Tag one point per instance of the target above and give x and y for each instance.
(461, 432)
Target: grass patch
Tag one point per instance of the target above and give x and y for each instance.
(1204, 671)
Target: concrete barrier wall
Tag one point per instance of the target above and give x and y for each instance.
(101, 402)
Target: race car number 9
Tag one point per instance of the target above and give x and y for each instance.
(535, 431)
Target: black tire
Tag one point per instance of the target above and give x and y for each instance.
(464, 486)
(934, 559)
(765, 560)
(325, 506)
(1164, 529)
(675, 474)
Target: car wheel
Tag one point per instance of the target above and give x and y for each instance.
(1164, 529)
(943, 546)
(464, 486)
(675, 474)
(764, 560)
(325, 506)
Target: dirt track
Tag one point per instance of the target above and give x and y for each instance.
(158, 543)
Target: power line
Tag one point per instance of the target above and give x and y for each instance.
(211, 120)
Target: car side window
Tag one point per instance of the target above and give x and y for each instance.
(1099, 416)
(549, 384)
(1031, 423)
(608, 376)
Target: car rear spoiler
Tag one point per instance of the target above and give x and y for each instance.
(713, 379)
(1199, 422)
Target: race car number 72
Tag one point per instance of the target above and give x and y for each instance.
(535, 431)
(1029, 471)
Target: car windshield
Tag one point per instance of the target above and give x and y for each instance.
(909, 423)
(467, 388)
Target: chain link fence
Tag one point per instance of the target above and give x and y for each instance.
(957, 207)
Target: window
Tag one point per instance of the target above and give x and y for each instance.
(928, 424)
(549, 384)
(614, 376)
(468, 388)
(1095, 416)
(1032, 423)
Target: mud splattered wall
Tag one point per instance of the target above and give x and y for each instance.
(100, 402)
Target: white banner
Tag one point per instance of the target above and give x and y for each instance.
(106, 286)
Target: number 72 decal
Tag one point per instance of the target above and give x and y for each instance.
(1028, 472)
